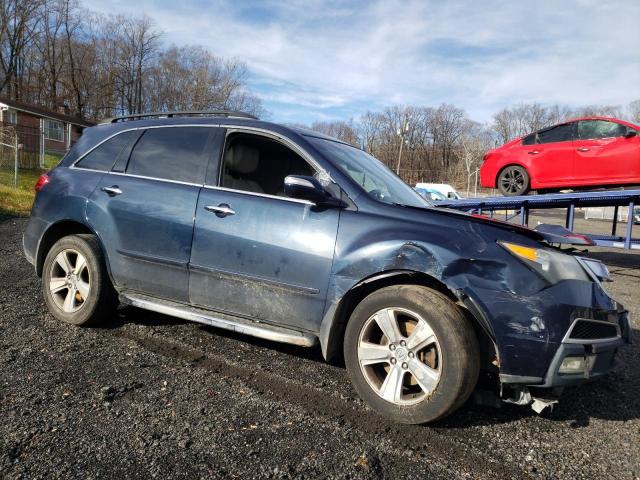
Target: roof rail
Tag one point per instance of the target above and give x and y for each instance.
(187, 113)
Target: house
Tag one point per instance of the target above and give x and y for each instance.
(40, 131)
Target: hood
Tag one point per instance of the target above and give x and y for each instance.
(542, 233)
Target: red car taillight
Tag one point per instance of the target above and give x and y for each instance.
(42, 181)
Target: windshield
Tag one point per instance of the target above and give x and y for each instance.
(373, 176)
(430, 194)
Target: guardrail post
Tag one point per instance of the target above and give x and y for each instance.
(627, 240)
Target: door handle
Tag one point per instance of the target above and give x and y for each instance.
(533, 152)
(583, 149)
(222, 210)
(112, 191)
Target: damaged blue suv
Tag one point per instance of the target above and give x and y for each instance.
(292, 236)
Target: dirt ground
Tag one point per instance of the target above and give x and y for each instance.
(152, 396)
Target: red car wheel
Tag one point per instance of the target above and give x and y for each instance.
(513, 180)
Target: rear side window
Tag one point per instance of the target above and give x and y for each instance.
(593, 129)
(559, 133)
(104, 156)
(171, 153)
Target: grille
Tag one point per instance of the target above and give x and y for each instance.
(586, 330)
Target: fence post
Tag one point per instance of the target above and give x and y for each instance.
(15, 161)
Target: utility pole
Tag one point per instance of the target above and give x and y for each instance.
(404, 129)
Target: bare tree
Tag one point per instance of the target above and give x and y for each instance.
(634, 111)
(19, 22)
(344, 131)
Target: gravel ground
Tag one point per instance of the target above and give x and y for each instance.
(152, 396)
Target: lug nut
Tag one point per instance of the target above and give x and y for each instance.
(393, 361)
(405, 366)
(403, 343)
(392, 347)
(411, 354)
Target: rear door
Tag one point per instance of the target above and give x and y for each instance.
(551, 157)
(257, 253)
(144, 214)
(604, 154)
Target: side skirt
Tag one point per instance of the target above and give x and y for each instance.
(219, 320)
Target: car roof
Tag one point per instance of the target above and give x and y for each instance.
(127, 124)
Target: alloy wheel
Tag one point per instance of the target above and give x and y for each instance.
(512, 180)
(399, 356)
(69, 280)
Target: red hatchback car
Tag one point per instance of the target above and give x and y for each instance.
(586, 152)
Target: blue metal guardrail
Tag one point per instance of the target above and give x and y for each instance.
(569, 201)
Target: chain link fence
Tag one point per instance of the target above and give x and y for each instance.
(9, 156)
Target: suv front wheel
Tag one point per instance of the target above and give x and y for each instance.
(411, 354)
(75, 283)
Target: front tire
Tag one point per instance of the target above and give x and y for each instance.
(513, 180)
(75, 282)
(411, 354)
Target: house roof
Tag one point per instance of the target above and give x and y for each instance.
(43, 112)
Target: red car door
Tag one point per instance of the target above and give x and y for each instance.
(604, 154)
(551, 157)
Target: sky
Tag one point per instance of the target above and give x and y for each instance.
(334, 60)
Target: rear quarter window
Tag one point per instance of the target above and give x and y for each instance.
(104, 156)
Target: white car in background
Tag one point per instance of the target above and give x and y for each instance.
(444, 189)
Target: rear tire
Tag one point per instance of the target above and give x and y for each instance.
(75, 282)
(420, 370)
(513, 180)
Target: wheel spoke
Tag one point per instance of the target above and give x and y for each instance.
(391, 389)
(81, 263)
(421, 336)
(70, 300)
(63, 260)
(371, 353)
(426, 376)
(83, 288)
(57, 284)
(386, 320)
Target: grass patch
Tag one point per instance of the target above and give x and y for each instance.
(17, 201)
(51, 160)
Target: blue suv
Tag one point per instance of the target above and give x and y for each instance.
(292, 236)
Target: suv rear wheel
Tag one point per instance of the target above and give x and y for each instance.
(411, 354)
(75, 283)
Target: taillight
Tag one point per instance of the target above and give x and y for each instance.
(42, 181)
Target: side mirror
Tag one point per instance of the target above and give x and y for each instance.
(630, 133)
(308, 188)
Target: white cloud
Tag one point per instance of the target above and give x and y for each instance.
(328, 56)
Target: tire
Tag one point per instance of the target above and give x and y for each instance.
(76, 292)
(452, 353)
(513, 180)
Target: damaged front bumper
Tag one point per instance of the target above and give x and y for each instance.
(576, 361)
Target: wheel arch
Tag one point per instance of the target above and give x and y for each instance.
(55, 232)
(332, 333)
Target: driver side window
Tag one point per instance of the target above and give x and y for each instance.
(253, 163)
(595, 129)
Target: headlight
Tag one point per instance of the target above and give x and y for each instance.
(553, 266)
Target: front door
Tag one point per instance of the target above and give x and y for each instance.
(145, 214)
(257, 253)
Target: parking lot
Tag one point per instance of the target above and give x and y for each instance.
(149, 395)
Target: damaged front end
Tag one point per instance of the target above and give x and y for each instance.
(567, 334)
